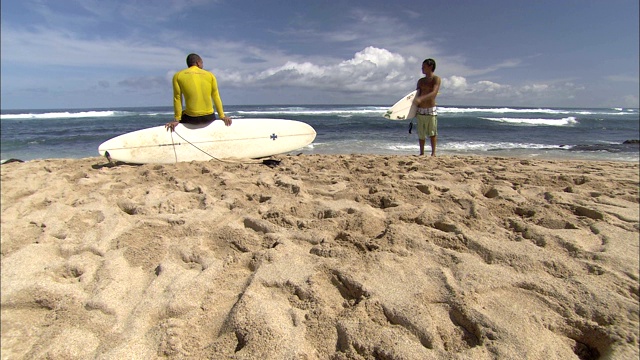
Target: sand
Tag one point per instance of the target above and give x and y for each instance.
(321, 257)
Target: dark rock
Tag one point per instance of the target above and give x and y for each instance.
(10, 161)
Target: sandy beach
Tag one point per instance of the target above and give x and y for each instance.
(321, 257)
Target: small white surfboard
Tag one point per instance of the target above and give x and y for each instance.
(403, 109)
(244, 139)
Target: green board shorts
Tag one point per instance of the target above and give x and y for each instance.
(427, 126)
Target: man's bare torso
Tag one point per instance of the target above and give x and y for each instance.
(426, 85)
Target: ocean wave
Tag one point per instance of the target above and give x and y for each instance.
(568, 121)
(506, 110)
(477, 146)
(377, 111)
(627, 110)
(402, 147)
(164, 113)
(82, 114)
(346, 111)
(61, 115)
(454, 146)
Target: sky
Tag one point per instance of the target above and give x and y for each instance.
(107, 53)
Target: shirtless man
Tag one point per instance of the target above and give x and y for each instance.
(200, 91)
(425, 99)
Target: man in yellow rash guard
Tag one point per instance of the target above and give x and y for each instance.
(200, 90)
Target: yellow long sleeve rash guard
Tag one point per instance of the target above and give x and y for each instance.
(199, 88)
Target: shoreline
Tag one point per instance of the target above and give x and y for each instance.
(507, 154)
(321, 256)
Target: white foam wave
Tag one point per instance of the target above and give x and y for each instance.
(568, 121)
(462, 147)
(60, 115)
(374, 111)
(402, 147)
(506, 110)
(164, 113)
(473, 146)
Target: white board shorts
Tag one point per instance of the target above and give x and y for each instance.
(427, 111)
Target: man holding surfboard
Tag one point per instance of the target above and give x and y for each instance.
(427, 114)
(200, 90)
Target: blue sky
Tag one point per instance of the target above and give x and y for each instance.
(106, 53)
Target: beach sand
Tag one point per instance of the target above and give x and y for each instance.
(321, 257)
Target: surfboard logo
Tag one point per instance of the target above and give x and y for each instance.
(273, 136)
(403, 109)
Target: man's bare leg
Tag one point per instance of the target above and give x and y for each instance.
(422, 142)
(434, 141)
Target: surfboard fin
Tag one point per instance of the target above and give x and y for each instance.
(108, 156)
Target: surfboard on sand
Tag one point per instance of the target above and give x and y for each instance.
(403, 109)
(244, 139)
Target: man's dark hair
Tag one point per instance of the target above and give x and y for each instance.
(430, 62)
(192, 60)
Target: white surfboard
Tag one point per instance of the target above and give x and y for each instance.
(403, 109)
(245, 138)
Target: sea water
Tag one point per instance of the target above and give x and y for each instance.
(547, 133)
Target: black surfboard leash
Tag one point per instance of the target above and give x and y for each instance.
(206, 153)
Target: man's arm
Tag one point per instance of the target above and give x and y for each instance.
(177, 99)
(177, 105)
(217, 102)
(215, 95)
(436, 88)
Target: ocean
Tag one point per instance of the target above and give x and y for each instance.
(545, 133)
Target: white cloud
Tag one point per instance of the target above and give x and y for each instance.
(489, 86)
(457, 88)
(458, 83)
(293, 70)
(535, 88)
(369, 70)
(379, 57)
